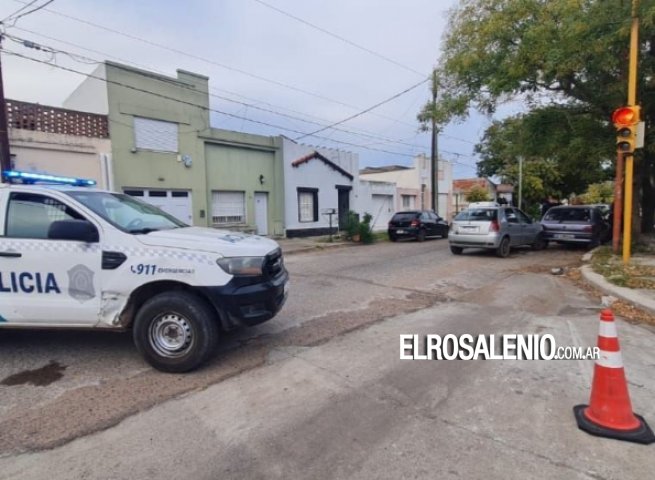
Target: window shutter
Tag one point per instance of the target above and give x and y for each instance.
(228, 207)
(155, 135)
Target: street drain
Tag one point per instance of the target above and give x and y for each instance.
(39, 377)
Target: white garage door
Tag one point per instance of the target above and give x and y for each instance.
(382, 211)
(174, 202)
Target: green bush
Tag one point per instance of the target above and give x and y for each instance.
(352, 225)
(365, 231)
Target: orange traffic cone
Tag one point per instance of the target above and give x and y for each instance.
(609, 413)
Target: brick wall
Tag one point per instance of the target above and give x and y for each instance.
(42, 118)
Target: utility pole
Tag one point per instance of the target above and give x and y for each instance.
(629, 159)
(520, 183)
(5, 156)
(434, 162)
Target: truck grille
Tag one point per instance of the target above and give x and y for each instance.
(274, 265)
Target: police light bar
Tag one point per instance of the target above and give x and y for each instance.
(14, 176)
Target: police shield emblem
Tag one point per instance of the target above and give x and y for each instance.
(80, 283)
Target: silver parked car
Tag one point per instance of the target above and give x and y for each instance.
(495, 227)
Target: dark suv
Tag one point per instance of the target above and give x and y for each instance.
(418, 224)
(583, 224)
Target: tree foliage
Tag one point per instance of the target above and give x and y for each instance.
(477, 193)
(565, 62)
(599, 193)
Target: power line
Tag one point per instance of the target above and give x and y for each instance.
(16, 18)
(197, 57)
(87, 60)
(338, 37)
(359, 114)
(218, 64)
(88, 75)
(18, 11)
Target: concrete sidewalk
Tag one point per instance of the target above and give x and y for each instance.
(299, 245)
(642, 298)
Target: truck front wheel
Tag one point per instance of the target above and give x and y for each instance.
(175, 331)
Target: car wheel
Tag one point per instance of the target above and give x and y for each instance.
(392, 237)
(540, 243)
(456, 250)
(504, 248)
(175, 331)
(420, 236)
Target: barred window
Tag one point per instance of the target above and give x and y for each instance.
(308, 205)
(228, 207)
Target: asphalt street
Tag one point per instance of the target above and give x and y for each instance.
(320, 392)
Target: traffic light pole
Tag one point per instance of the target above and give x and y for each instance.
(629, 159)
(618, 204)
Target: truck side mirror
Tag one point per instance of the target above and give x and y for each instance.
(75, 230)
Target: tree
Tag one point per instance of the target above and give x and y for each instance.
(477, 194)
(551, 139)
(555, 57)
(599, 193)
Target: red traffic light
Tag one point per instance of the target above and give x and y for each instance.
(625, 116)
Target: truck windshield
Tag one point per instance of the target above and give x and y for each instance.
(127, 213)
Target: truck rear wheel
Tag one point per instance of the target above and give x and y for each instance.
(175, 331)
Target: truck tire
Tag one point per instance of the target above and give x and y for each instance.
(175, 331)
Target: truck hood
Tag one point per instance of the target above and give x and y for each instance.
(211, 240)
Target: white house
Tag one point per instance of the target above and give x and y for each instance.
(413, 184)
(378, 199)
(321, 180)
(317, 181)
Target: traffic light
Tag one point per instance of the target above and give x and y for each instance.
(626, 120)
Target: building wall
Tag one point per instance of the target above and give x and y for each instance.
(316, 174)
(55, 153)
(207, 159)
(409, 182)
(249, 170)
(91, 94)
(369, 196)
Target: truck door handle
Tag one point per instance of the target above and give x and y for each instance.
(11, 254)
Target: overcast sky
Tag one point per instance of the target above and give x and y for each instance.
(258, 41)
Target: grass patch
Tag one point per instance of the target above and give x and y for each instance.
(615, 271)
(380, 237)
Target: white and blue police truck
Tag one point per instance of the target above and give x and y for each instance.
(73, 256)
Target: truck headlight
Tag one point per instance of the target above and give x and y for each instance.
(242, 266)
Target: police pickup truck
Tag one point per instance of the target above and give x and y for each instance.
(75, 257)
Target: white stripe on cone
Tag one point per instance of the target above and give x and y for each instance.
(608, 330)
(610, 359)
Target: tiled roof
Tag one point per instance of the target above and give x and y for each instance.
(465, 184)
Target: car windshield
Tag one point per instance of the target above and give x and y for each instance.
(401, 217)
(478, 214)
(568, 215)
(127, 213)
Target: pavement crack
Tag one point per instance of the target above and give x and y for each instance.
(507, 445)
(375, 284)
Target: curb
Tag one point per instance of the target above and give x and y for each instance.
(319, 247)
(626, 294)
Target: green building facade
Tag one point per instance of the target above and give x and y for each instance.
(165, 151)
